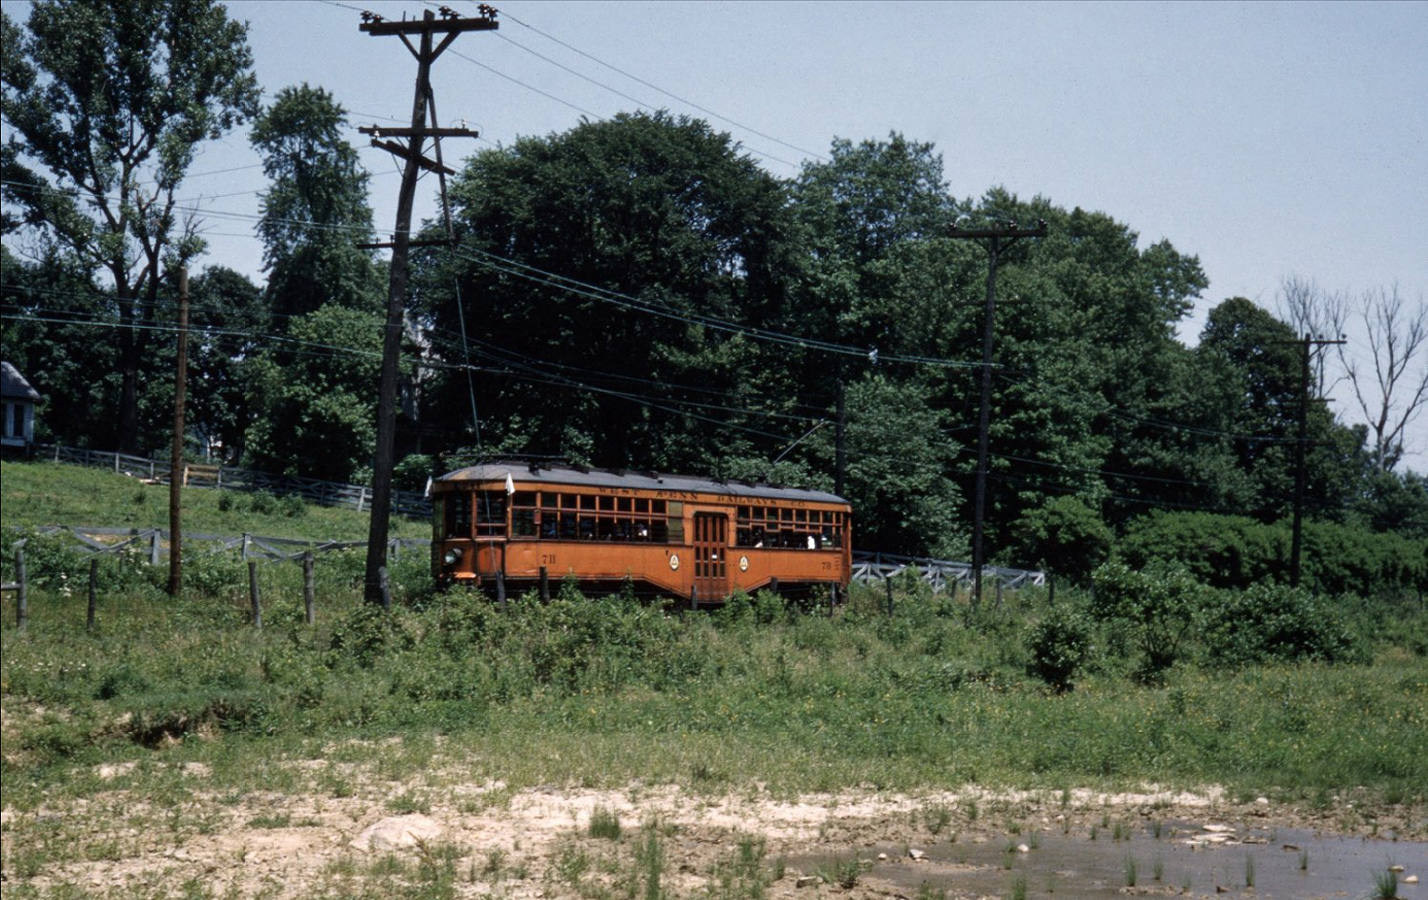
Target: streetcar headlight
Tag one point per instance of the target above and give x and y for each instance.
(452, 557)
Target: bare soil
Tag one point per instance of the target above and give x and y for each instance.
(529, 843)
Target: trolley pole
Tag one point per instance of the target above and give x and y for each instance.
(994, 241)
(425, 29)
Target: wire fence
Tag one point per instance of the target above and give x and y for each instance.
(871, 567)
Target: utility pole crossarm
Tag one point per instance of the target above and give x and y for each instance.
(383, 28)
(414, 156)
(387, 131)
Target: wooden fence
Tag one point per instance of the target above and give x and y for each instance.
(232, 478)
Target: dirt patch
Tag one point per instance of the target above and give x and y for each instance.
(484, 839)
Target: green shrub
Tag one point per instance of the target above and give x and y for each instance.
(1059, 644)
(263, 503)
(1271, 622)
(1158, 605)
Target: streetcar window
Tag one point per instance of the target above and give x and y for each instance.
(524, 499)
(547, 500)
(676, 521)
(569, 501)
(624, 504)
(587, 501)
(607, 504)
(523, 522)
(659, 531)
(642, 505)
(657, 507)
(458, 516)
(491, 513)
(567, 526)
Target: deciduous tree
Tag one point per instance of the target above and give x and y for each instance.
(109, 101)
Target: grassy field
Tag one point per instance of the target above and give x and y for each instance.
(41, 493)
(603, 694)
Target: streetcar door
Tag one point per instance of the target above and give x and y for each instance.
(711, 547)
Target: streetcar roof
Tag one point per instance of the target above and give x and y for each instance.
(567, 476)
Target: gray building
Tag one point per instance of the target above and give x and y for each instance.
(17, 431)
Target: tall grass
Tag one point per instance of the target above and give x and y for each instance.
(619, 690)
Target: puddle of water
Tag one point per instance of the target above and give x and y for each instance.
(1282, 863)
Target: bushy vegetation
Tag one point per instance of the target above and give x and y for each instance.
(1301, 695)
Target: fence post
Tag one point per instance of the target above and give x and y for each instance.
(887, 579)
(247, 539)
(544, 585)
(362, 499)
(309, 594)
(955, 582)
(253, 597)
(1051, 589)
(773, 584)
(93, 592)
(832, 599)
(693, 598)
(22, 591)
(501, 589)
(999, 595)
(116, 462)
(154, 548)
(386, 587)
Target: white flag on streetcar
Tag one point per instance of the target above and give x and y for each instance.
(510, 484)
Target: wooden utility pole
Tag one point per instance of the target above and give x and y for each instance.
(994, 241)
(425, 29)
(176, 453)
(1300, 475)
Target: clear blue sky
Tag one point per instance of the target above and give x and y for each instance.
(1270, 139)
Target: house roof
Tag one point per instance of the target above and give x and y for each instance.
(569, 476)
(13, 385)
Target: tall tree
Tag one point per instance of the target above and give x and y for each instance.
(1391, 388)
(109, 100)
(670, 216)
(315, 211)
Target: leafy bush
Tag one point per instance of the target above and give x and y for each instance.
(1065, 535)
(263, 503)
(1157, 604)
(1270, 622)
(1059, 644)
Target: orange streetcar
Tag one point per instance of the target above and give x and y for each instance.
(695, 538)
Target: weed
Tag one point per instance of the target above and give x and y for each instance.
(971, 810)
(1303, 860)
(936, 817)
(1157, 868)
(604, 824)
(926, 891)
(650, 855)
(1385, 885)
(270, 821)
(1018, 888)
(842, 872)
(1249, 870)
(1128, 868)
(1155, 829)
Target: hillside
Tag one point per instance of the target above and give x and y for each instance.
(43, 493)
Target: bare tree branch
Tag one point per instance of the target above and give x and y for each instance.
(1393, 394)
